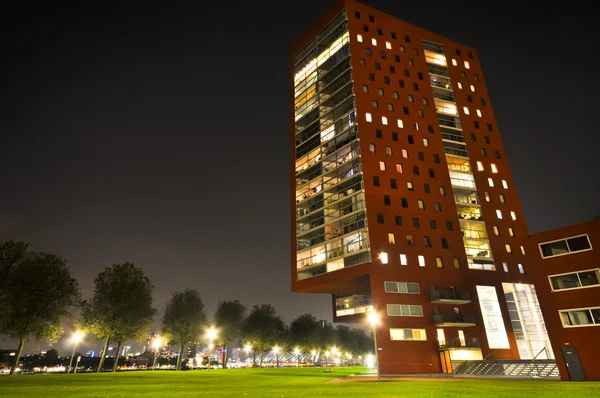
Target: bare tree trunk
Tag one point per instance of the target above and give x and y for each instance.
(225, 354)
(103, 356)
(17, 357)
(254, 359)
(261, 355)
(179, 356)
(117, 356)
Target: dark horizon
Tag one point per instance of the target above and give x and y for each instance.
(158, 133)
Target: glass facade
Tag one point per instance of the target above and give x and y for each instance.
(468, 207)
(331, 223)
(492, 317)
(527, 321)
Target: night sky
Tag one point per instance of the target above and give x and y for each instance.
(157, 132)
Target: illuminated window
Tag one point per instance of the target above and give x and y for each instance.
(504, 184)
(490, 182)
(472, 88)
(441, 337)
(467, 65)
(492, 318)
(487, 197)
(410, 186)
(374, 42)
(511, 232)
(459, 85)
(499, 214)
(576, 280)
(421, 261)
(408, 334)
(384, 258)
(508, 249)
(513, 215)
(405, 154)
(521, 269)
(403, 260)
(381, 165)
(454, 62)
(421, 205)
(479, 166)
(494, 168)
(456, 263)
(391, 238)
(522, 250)
(359, 38)
(400, 124)
(478, 113)
(505, 267)
(496, 231)
(439, 262)
(425, 142)
(384, 120)
(372, 148)
(388, 45)
(388, 150)
(368, 117)
(502, 198)
(398, 168)
(365, 88)
(466, 110)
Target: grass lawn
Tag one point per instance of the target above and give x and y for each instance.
(289, 382)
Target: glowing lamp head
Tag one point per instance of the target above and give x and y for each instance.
(276, 349)
(313, 353)
(247, 348)
(157, 342)
(373, 318)
(77, 337)
(296, 351)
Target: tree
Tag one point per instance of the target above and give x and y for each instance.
(229, 318)
(121, 307)
(41, 292)
(263, 327)
(183, 319)
(305, 332)
(11, 255)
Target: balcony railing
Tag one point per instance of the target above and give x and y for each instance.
(453, 319)
(458, 343)
(449, 297)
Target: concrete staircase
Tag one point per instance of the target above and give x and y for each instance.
(537, 368)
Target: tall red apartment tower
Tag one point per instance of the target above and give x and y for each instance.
(403, 200)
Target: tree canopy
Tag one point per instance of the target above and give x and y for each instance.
(183, 319)
(263, 327)
(230, 319)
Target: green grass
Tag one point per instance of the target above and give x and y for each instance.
(290, 382)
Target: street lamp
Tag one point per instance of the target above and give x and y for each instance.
(373, 319)
(297, 352)
(313, 353)
(276, 351)
(156, 344)
(211, 335)
(77, 337)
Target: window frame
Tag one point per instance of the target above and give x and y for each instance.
(406, 286)
(560, 312)
(566, 240)
(578, 278)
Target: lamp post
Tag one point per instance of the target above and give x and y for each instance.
(373, 319)
(297, 352)
(313, 353)
(276, 351)
(211, 335)
(156, 344)
(77, 337)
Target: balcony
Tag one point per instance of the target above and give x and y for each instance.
(449, 297)
(452, 319)
(459, 343)
(354, 304)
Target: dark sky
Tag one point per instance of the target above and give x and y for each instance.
(157, 132)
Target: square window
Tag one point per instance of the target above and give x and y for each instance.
(380, 218)
(395, 95)
(497, 154)
(366, 28)
(376, 181)
(388, 150)
(409, 240)
(404, 202)
(368, 51)
(421, 156)
(365, 88)
(393, 35)
(400, 124)
(496, 231)
(386, 80)
(456, 263)
(384, 258)
(504, 184)
(502, 198)
(505, 267)
(386, 200)
(411, 139)
(426, 188)
(359, 38)
(402, 49)
(421, 204)
(394, 136)
(391, 107)
(382, 55)
(393, 183)
(372, 148)
(467, 65)
(368, 117)
(371, 18)
(459, 84)
(388, 45)
(384, 120)
(521, 268)
(454, 63)
(499, 214)
(421, 261)
(490, 182)
(436, 158)
(513, 215)
(431, 173)
(363, 62)
(375, 104)
(427, 241)
(380, 91)
(411, 98)
(381, 165)
(411, 62)
(416, 223)
(403, 260)
(425, 101)
(511, 232)
(442, 190)
(416, 86)
(380, 31)
(508, 249)
(398, 220)
(377, 66)
(357, 14)
(432, 224)
(444, 243)
(407, 39)
(449, 226)
(438, 207)
(410, 186)
(398, 168)
(472, 88)
(401, 83)
(378, 133)
(416, 170)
